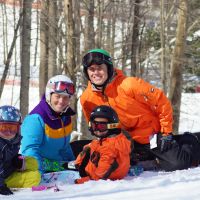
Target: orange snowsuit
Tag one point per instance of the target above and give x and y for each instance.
(142, 108)
(109, 158)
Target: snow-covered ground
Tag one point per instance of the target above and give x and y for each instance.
(176, 185)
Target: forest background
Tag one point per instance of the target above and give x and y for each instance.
(157, 40)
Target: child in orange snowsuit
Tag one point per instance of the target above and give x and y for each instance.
(108, 156)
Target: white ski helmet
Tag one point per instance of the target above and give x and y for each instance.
(59, 84)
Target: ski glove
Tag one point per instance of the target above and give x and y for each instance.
(4, 190)
(166, 142)
(19, 162)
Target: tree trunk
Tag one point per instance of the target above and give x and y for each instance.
(100, 30)
(163, 52)
(77, 19)
(89, 38)
(135, 39)
(25, 57)
(43, 73)
(89, 34)
(7, 62)
(52, 50)
(177, 63)
(71, 48)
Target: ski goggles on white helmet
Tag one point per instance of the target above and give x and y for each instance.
(63, 87)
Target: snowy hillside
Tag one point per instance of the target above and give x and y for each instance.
(178, 185)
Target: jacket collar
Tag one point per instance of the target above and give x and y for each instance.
(117, 75)
(51, 113)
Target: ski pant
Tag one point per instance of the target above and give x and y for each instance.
(27, 178)
(184, 153)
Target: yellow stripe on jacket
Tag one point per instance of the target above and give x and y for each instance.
(58, 133)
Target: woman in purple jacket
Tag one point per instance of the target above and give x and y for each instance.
(46, 130)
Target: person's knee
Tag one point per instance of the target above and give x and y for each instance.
(31, 163)
(178, 161)
(25, 179)
(32, 178)
(176, 165)
(36, 178)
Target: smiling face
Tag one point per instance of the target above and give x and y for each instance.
(98, 74)
(59, 102)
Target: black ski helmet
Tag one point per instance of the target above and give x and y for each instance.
(92, 57)
(108, 113)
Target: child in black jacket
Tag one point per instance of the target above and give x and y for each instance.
(12, 163)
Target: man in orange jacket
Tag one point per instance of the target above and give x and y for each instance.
(108, 156)
(144, 110)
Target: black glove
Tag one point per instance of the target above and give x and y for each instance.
(65, 165)
(165, 142)
(4, 190)
(18, 162)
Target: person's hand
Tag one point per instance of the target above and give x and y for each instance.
(4, 190)
(166, 142)
(19, 162)
(82, 180)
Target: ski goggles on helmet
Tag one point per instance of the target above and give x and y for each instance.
(9, 128)
(64, 87)
(95, 58)
(102, 126)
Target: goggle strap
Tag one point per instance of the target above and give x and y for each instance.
(113, 125)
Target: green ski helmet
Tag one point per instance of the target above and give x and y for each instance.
(98, 56)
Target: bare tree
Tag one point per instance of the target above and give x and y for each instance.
(89, 34)
(178, 62)
(163, 53)
(52, 50)
(135, 38)
(89, 38)
(25, 57)
(70, 65)
(9, 56)
(43, 72)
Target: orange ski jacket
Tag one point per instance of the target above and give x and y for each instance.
(109, 158)
(143, 109)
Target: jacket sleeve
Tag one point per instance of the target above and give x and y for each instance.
(105, 163)
(1, 170)
(32, 131)
(87, 102)
(85, 106)
(152, 97)
(81, 156)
